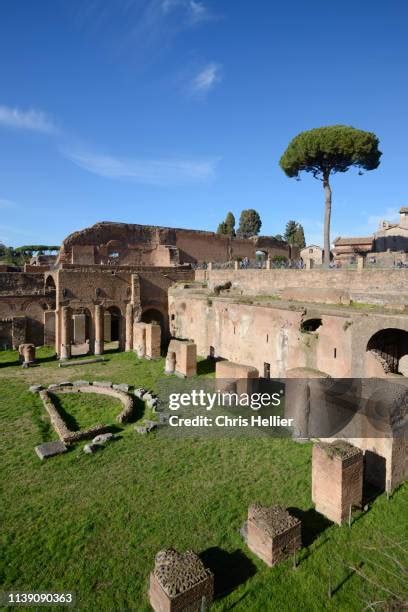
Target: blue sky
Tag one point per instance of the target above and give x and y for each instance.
(173, 112)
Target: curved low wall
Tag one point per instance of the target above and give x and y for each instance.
(64, 433)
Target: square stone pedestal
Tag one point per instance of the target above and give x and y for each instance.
(337, 479)
(180, 582)
(153, 341)
(236, 377)
(185, 357)
(272, 533)
(147, 340)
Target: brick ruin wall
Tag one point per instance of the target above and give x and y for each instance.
(22, 307)
(258, 334)
(26, 303)
(131, 244)
(326, 286)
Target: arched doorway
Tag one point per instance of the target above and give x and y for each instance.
(261, 257)
(390, 344)
(154, 315)
(50, 288)
(113, 323)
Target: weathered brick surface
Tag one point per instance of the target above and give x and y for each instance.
(337, 479)
(190, 601)
(375, 286)
(185, 353)
(275, 538)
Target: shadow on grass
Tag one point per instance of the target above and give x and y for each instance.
(111, 351)
(206, 366)
(47, 359)
(69, 420)
(230, 569)
(138, 410)
(349, 575)
(313, 524)
(38, 361)
(7, 364)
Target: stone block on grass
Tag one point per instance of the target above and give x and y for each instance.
(337, 479)
(36, 388)
(50, 449)
(102, 383)
(121, 387)
(273, 534)
(180, 582)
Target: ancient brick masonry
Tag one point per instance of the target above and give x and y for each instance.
(273, 534)
(147, 340)
(337, 479)
(180, 582)
(182, 358)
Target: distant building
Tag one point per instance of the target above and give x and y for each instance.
(312, 255)
(393, 236)
(388, 244)
(346, 249)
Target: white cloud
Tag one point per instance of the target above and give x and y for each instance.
(205, 80)
(159, 172)
(33, 120)
(194, 11)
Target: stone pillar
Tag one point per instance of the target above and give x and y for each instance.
(170, 363)
(153, 341)
(79, 328)
(66, 323)
(236, 264)
(360, 262)
(107, 321)
(139, 339)
(27, 353)
(268, 263)
(58, 332)
(129, 327)
(99, 325)
(337, 479)
(185, 356)
(210, 266)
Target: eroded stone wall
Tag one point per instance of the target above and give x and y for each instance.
(325, 286)
(131, 244)
(256, 334)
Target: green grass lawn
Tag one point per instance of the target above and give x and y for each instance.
(93, 524)
(81, 411)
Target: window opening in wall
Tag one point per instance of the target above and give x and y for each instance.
(310, 325)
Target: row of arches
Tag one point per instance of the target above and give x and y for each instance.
(82, 331)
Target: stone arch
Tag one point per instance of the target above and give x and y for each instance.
(116, 322)
(155, 313)
(389, 346)
(50, 288)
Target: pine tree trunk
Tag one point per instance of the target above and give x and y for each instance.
(327, 215)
